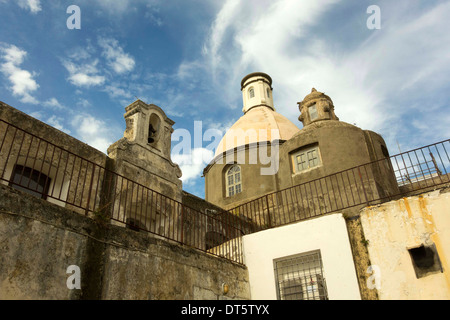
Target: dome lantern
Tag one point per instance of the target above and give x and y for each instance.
(257, 90)
(316, 106)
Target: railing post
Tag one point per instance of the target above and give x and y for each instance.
(363, 186)
(268, 212)
(89, 193)
(182, 223)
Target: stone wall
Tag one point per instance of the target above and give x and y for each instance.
(40, 240)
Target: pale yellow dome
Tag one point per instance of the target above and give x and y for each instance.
(256, 125)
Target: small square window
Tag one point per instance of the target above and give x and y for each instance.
(306, 158)
(313, 115)
(425, 260)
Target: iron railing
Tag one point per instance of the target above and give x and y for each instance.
(35, 165)
(31, 163)
(372, 183)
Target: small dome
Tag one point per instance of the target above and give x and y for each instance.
(315, 95)
(256, 125)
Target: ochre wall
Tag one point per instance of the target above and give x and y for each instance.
(392, 228)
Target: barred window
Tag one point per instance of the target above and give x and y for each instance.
(233, 179)
(306, 158)
(31, 181)
(300, 277)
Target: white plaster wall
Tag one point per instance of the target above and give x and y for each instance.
(327, 233)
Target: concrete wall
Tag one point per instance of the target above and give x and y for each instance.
(40, 240)
(327, 234)
(391, 229)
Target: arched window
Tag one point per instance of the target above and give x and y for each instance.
(251, 92)
(268, 93)
(153, 128)
(233, 180)
(31, 181)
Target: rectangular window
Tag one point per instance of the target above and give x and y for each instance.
(425, 260)
(306, 158)
(300, 277)
(313, 115)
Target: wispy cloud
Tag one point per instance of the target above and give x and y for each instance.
(54, 104)
(367, 82)
(93, 131)
(56, 122)
(33, 5)
(117, 59)
(22, 81)
(193, 163)
(84, 75)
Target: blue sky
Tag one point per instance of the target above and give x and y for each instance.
(188, 57)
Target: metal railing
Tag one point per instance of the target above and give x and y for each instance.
(372, 183)
(88, 187)
(40, 167)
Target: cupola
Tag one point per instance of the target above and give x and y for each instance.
(257, 91)
(316, 106)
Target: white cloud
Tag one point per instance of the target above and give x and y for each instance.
(117, 59)
(84, 75)
(193, 163)
(84, 103)
(114, 90)
(93, 131)
(33, 5)
(53, 103)
(22, 80)
(278, 37)
(56, 123)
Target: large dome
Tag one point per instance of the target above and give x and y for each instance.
(257, 125)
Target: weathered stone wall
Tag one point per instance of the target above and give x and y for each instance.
(40, 240)
(361, 258)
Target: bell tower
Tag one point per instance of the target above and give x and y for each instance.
(143, 154)
(257, 91)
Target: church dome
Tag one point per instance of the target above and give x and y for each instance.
(258, 124)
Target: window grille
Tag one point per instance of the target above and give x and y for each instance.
(300, 277)
(31, 181)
